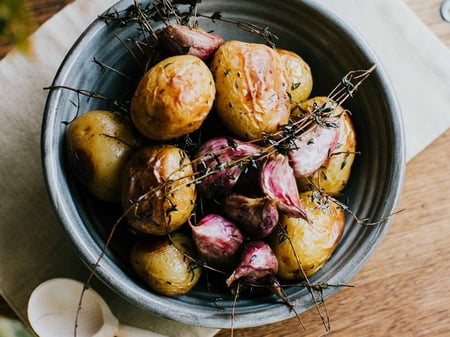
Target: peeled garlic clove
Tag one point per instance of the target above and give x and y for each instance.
(278, 183)
(180, 39)
(258, 265)
(256, 216)
(218, 240)
(220, 162)
(312, 149)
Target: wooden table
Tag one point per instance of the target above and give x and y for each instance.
(404, 289)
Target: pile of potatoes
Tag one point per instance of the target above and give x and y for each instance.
(253, 90)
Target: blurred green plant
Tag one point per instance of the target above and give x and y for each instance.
(16, 24)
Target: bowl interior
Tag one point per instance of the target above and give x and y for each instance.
(332, 49)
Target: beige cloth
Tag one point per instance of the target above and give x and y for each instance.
(33, 247)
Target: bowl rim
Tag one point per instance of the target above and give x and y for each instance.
(162, 305)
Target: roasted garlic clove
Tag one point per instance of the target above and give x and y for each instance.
(220, 162)
(312, 149)
(278, 183)
(218, 240)
(258, 265)
(256, 216)
(180, 39)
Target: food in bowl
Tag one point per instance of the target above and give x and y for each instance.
(161, 181)
(265, 153)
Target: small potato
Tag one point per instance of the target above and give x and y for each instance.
(309, 244)
(173, 98)
(252, 89)
(164, 171)
(334, 174)
(99, 144)
(166, 266)
(300, 76)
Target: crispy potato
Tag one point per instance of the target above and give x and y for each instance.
(334, 174)
(299, 74)
(173, 98)
(99, 144)
(163, 266)
(252, 89)
(166, 170)
(309, 244)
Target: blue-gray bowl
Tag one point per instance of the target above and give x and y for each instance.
(332, 48)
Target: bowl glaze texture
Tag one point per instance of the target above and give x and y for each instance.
(332, 48)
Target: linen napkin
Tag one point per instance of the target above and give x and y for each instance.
(33, 247)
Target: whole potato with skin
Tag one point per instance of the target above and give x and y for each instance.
(164, 173)
(165, 265)
(173, 98)
(252, 89)
(333, 175)
(299, 74)
(311, 244)
(99, 144)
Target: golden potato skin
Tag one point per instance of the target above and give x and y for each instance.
(299, 74)
(161, 264)
(173, 98)
(99, 144)
(314, 243)
(333, 176)
(252, 89)
(167, 209)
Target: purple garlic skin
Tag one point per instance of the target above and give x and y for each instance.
(180, 39)
(223, 155)
(258, 265)
(312, 149)
(218, 241)
(278, 183)
(257, 217)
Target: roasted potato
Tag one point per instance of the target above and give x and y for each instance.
(334, 174)
(156, 185)
(165, 265)
(99, 144)
(173, 98)
(252, 89)
(299, 74)
(307, 244)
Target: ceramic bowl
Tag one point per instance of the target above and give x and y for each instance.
(332, 48)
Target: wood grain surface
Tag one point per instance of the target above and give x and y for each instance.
(404, 289)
